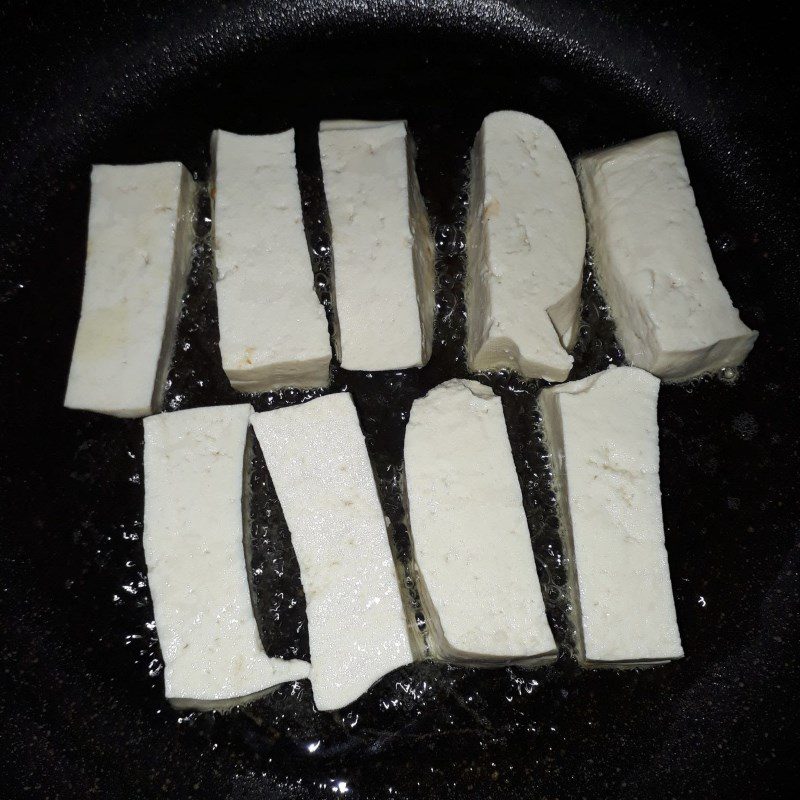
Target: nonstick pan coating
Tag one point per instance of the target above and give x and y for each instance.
(80, 711)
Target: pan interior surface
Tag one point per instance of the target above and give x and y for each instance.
(83, 708)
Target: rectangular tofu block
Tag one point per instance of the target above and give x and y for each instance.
(272, 328)
(526, 241)
(603, 436)
(383, 259)
(476, 573)
(673, 316)
(138, 256)
(196, 568)
(357, 630)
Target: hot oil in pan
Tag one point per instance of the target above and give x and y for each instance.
(426, 698)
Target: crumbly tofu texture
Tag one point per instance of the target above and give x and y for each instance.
(477, 576)
(526, 242)
(273, 330)
(673, 316)
(138, 256)
(603, 437)
(193, 543)
(383, 255)
(357, 628)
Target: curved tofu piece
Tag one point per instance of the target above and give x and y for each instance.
(357, 630)
(673, 316)
(383, 274)
(603, 436)
(477, 575)
(138, 256)
(213, 656)
(526, 241)
(273, 331)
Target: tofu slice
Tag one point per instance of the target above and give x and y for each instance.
(673, 316)
(603, 436)
(383, 254)
(477, 577)
(357, 629)
(193, 543)
(526, 242)
(273, 330)
(138, 256)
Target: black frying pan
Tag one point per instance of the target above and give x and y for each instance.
(82, 708)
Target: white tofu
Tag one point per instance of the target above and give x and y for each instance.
(476, 572)
(273, 331)
(673, 316)
(603, 436)
(526, 242)
(357, 629)
(383, 259)
(138, 256)
(193, 543)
